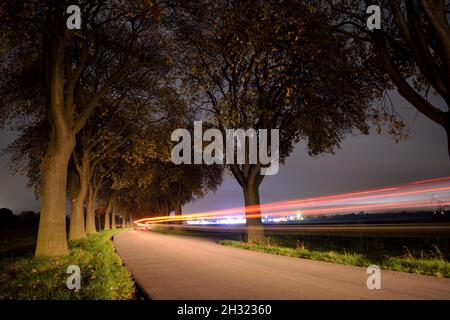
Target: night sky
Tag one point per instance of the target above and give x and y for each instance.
(362, 162)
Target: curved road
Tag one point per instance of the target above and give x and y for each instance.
(180, 267)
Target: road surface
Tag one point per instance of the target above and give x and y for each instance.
(182, 267)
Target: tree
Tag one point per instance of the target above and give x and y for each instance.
(132, 107)
(412, 49)
(96, 143)
(109, 47)
(183, 183)
(171, 186)
(189, 182)
(109, 211)
(273, 65)
(146, 182)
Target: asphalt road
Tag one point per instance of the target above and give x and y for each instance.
(181, 267)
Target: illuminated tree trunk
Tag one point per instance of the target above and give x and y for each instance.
(51, 240)
(255, 229)
(127, 220)
(124, 220)
(77, 225)
(130, 220)
(107, 215)
(52, 237)
(249, 178)
(113, 218)
(90, 214)
(178, 211)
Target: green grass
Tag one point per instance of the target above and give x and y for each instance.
(102, 274)
(427, 263)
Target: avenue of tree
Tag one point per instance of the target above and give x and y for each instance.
(94, 108)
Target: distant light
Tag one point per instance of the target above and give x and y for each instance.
(299, 215)
(224, 220)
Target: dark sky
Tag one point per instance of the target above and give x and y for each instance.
(362, 162)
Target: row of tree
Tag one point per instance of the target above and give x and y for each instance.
(95, 107)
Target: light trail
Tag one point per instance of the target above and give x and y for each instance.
(411, 195)
(430, 180)
(306, 212)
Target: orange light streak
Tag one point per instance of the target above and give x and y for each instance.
(403, 205)
(274, 209)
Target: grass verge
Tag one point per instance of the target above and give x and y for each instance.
(433, 264)
(102, 274)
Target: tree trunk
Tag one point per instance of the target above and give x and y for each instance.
(255, 229)
(52, 237)
(130, 220)
(90, 212)
(77, 225)
(178, 210)
(113, 218)
(107, 216)
(124, 219)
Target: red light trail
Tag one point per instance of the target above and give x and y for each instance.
(412, 195)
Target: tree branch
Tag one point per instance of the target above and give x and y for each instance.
(419, 102)
(93, 102)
